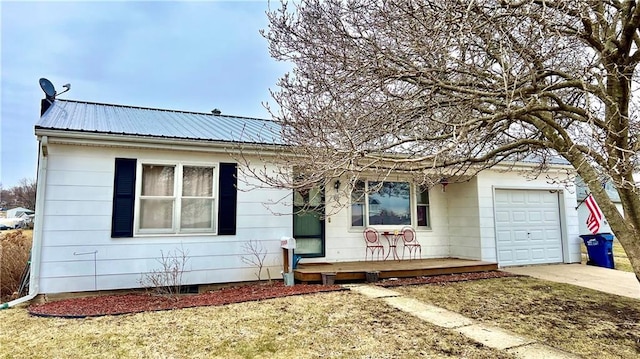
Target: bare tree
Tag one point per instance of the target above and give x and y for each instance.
(256, 253)
(22, 195)
(448, 88)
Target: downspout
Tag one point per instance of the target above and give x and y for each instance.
(36, 245)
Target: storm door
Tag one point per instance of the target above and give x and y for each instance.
(308, 223)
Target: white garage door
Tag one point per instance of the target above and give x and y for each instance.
(527, 227)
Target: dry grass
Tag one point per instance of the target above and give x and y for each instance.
(15, 246)
(329, 325)
(620, 260)
(579, 320)
(342, 325)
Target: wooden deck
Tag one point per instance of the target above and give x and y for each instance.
(355, 271)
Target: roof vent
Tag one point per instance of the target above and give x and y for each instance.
(216, 112)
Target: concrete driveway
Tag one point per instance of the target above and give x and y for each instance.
(602, 279)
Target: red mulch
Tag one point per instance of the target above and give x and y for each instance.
(143, 302)
(445, 278)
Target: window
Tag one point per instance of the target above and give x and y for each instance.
(197, 198)
(173, 198)
(388, 203)
(176, 198)
(157, 197)
(357, 204)
(422, 207)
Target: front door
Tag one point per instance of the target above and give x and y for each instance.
(308, 223)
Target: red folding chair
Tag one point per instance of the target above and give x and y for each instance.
(410, 241)
(372, 239)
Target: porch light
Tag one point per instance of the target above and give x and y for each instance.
(444, 182)
(336, 185)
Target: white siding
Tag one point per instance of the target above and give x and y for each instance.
(344, 243)
(78, 206)
(464, 220)
(488, 181)
(77, 222)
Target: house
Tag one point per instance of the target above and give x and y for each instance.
(121, 186)
(18, 212)
(583, 212)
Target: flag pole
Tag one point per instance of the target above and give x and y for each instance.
(581, 202)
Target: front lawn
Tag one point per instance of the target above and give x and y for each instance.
(329, 325)
(342, 325)
(579, 320)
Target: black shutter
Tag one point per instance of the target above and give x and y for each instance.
(227, 195)
(124, 196)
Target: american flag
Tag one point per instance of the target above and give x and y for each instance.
(595, 215)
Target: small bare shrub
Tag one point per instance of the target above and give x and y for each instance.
(15, 248)
(167, 280)
(256, 254)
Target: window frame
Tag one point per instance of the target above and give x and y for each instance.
(413, 203)
(177, 199)
(419, 190)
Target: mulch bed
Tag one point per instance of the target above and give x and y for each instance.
(445, 278)
(143, 302)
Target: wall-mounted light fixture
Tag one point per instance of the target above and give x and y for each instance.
(336, 185)
(444, 182)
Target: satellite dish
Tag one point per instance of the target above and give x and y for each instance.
(48, 88)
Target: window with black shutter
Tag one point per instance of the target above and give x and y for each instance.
(124, 188)
(228, 195)
(173, 198)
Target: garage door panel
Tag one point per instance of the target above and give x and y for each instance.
(535, 216)
(538, 253)
(527, 227)
(520, 236)
(537, 235)
(504, 236)
(551, 198)
(552, 235)
(502, 217)
(554, 253)
(550, 216)
(506, 256)
(519, 217)
(533, 197)
(516, 198)
(521, 254)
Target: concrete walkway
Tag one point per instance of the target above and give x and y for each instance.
(490, 336)
(598, 278)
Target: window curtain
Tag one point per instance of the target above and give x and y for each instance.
(197, 197)
(156, 210)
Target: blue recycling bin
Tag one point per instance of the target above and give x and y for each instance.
(600, 249)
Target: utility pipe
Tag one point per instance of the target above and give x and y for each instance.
(36, 245)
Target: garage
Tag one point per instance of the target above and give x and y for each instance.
(528, 227)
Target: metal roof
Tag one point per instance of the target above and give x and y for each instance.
(79, 116)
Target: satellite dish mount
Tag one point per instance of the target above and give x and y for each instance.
(50, 90)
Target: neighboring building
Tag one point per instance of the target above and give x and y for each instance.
(119, 186)
(18, 212)
(583, 213)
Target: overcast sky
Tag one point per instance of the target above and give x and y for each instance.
(193, 56)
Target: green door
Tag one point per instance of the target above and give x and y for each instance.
(308, 223)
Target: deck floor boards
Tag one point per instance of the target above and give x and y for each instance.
(353, 271)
